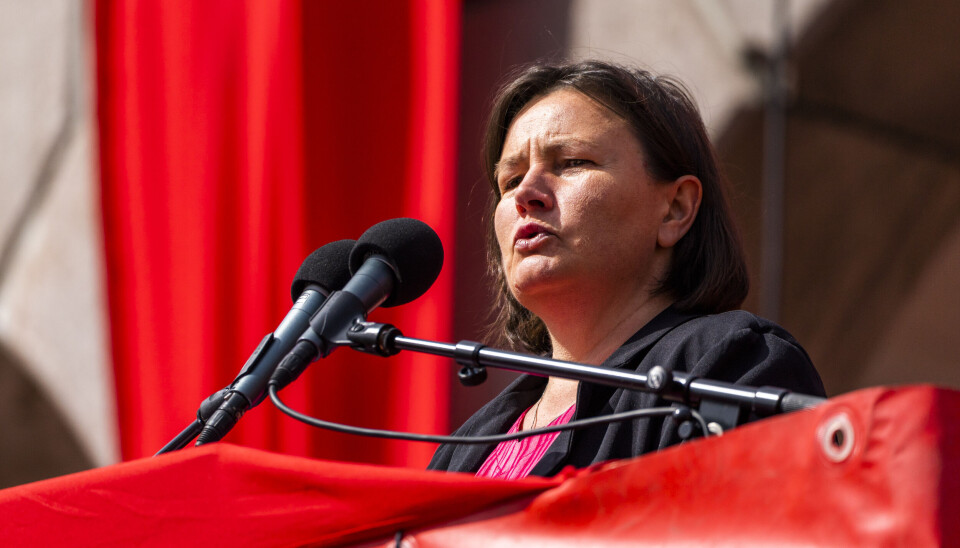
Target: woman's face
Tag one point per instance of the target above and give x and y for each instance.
(578, 210)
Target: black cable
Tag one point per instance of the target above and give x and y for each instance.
(703, 424)
(408, 436)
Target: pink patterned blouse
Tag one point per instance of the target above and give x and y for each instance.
(516, 458)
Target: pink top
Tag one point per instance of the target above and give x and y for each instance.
(515, 459)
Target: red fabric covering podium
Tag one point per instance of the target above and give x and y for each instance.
(878, 467)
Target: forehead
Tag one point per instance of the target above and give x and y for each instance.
(564, 114)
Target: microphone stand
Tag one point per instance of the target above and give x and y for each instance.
(723, 405)
(210, 405)
(207, 408)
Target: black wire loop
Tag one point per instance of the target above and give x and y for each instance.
(430, 438)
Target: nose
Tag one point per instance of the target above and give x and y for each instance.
(533, 192)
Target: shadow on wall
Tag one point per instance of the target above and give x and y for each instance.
(872, 195)
(35, 441)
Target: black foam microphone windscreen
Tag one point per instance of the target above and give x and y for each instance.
(325, 267)
(413, 249)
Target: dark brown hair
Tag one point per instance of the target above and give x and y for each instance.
(707, 273)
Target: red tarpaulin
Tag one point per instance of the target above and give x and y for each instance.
(893, 479)
(236, 137)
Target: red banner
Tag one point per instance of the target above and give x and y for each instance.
(235, 137)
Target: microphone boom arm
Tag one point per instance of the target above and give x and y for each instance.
(726, 404)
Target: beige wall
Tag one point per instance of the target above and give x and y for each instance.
(701, 42)
(51, 296)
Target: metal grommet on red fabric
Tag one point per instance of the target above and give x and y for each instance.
(837, 437)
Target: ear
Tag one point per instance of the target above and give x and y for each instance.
(684, 196)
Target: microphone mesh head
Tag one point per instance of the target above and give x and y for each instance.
(328, 267)
(411, 246)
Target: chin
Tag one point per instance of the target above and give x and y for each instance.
(527, 290)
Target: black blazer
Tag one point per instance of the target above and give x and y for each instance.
(733, 347)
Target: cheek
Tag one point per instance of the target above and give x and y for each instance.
(590, 210)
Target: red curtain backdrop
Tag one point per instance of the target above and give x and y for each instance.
(236, 137)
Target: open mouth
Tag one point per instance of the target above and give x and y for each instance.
(529, 235)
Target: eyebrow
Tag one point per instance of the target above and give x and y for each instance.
(551, 147)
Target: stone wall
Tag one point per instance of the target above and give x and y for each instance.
(52, 308)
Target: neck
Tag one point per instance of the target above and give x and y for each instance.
(589, 317)
(592, 338)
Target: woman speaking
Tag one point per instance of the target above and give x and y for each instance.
(610, 243)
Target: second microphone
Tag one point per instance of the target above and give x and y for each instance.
(392, 263)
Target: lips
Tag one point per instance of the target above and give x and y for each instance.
(530, 236)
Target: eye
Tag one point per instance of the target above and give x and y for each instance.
(576, 162)
(510, 183)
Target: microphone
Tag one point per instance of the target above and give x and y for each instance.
(326, 270)
(323, 271)
(393, 263)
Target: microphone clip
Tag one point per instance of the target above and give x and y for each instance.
(467, 354)
(374, 338)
